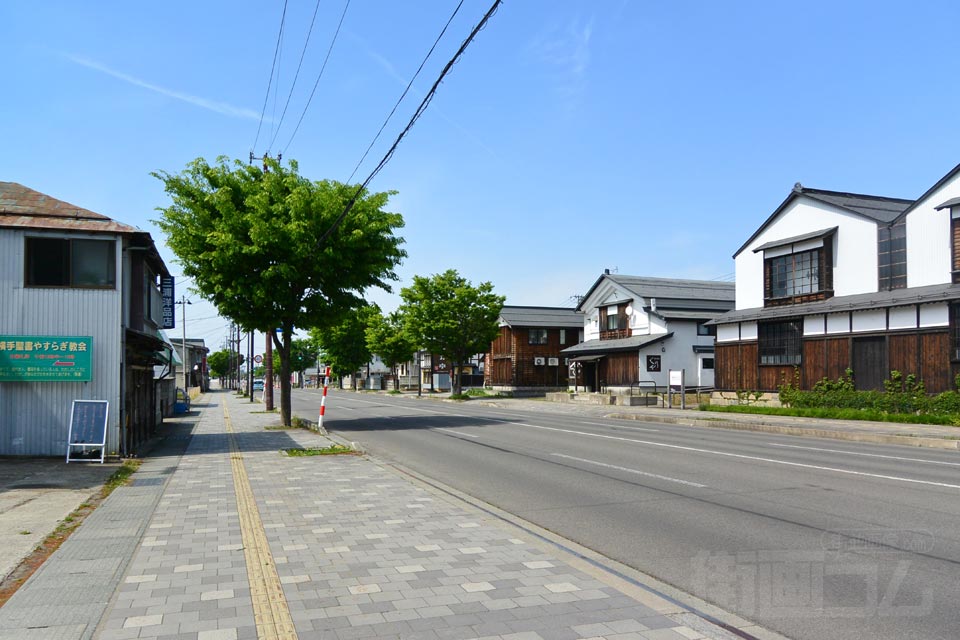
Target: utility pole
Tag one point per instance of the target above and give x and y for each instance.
(183, 302)
(250, 364)
(264, 158)
(268, 374)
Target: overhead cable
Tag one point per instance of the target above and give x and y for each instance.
(416, 116)
(404, 94)
(297, 74)
(276, 51)
(320, 75)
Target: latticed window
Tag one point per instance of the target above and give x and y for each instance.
(795, 274)
(892, 256)
(780, 342)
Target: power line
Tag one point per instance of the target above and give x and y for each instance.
(404, 94)
(297, 74)
(320, 75)
(416, 116)
(276, 51)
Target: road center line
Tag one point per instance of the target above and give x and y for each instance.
(619, 426)
(869, 455)
(742, 456)
(465, 435)
(628, 470)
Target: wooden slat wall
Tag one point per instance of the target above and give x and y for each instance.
(814, 363)
(620, 368)
(772, 377)
(903, 353)
(726, 360)
(837, 358)
(935, 359)
(750, 357)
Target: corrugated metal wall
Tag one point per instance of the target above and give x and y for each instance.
(35, 416)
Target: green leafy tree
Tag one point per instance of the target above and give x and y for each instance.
(345, 344)
(387, 337)
(446, 315)
(257, 244)
(303, 355)
(219, 363)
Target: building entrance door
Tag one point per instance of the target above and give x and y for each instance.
(870, 363)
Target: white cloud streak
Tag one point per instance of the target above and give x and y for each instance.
(210, 105)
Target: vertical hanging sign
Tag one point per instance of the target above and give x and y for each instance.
(166, 296)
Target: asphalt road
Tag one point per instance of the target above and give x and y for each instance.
(815, 539)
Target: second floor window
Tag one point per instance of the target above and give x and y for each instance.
(74, 263)
(794, 274)
(537, 336)
(892, 256)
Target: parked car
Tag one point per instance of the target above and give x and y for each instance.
(258, 384)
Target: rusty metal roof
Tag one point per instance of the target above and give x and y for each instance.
(23, 207)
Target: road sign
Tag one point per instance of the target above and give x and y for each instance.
(258, 358)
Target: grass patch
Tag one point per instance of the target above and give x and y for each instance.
(333, 450)
(838, 414)
(394, 392)
(459, 396)
(120, 477)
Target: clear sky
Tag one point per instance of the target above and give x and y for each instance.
(649, 137)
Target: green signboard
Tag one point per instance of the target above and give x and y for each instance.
(46, 358)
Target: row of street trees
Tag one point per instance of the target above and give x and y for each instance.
(444, 315)
(275, 252)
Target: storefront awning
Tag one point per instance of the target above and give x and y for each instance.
(586, 358)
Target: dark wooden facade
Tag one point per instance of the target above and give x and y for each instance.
(512, 362)
(926, 354)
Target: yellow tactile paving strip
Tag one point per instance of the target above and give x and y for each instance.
(270, 609)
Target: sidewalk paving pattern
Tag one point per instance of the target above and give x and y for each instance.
(243, 536)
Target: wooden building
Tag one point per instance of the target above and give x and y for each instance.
(835, 280)
(526, 353)
(637, 329)
(79, 321)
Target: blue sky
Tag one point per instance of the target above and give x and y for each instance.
(648, 137)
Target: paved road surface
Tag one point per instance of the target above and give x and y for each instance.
(815, 539)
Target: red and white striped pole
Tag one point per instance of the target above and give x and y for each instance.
(323, 400)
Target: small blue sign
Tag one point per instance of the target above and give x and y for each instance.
(166, 294)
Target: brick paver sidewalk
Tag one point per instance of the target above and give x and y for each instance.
(247, 542)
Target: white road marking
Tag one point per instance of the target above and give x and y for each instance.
(466, 435)
(635, 471)
(742, 456)
(619, 426)
(869, 455)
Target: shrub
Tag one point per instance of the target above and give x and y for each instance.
(901, 395)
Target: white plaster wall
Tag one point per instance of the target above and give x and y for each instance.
(872, 320)
(928, 238)
(748, 330)
(903, 317)
(813, 325)
(591, 325)
(934, 315)
(659, 325)
(728, 332)
(855, 250)
(838, 323)
(676, 353)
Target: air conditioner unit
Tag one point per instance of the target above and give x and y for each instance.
(538, 361)
(553, 361)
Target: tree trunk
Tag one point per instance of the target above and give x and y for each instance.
(284, 348)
